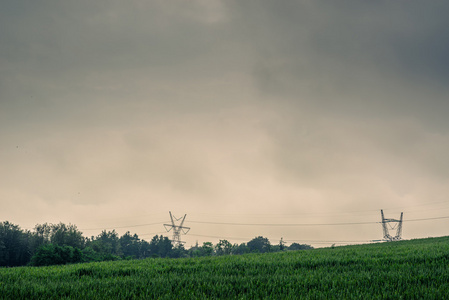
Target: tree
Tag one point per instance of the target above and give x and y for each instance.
(240, 249)
(207, 249)
(144, 249)
(178, 252)
(296, 246)
(66, 235)
(107, 243)
(275, 248)
(51, 254)
(14, 245)
(195, 251)
(41, 236)
(89, 254)
(259, 244)
(223, 247)
(130, 245)
(58, 234)
(160, 246)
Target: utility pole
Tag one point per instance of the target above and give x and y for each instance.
(177, 229)
(386, 226)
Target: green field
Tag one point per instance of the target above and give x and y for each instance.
(417, 269)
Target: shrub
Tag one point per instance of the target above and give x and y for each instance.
(51, 254)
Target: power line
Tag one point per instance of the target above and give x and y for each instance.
(153, 234)
(279, 215)
(120, 227)
(425, 219)
(274, 224)
(321, 214)
(266, 224)
(308, 224)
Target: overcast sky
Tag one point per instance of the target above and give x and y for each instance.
(113, 113)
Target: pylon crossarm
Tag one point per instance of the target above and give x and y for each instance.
(182, 222)
(167, 225)
(185, 231)
(390, 220)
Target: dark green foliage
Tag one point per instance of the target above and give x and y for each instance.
(296, 246)
(107, 242)
(240, 249)
(66, 235)
(207, 249)
(194, 251)
(51, 254)
(14, 245)
(90, 254)
(399, 270)
(18, 246)
(77, 255)
(259, 245)
(223, 247)
(41, 235)
(144, 249)
(58, 234)
(160, 246)
(178, 252)
(130, 245)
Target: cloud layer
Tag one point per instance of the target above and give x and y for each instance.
(113, 113)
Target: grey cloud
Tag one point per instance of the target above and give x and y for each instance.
(67, 37)
(72, 61)
(361, 88)
(379, 58)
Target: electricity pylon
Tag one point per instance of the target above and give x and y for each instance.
(386, 228)
(177, 229)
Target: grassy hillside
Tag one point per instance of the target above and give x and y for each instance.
(406, 269)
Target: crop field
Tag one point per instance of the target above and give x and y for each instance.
(414, 269)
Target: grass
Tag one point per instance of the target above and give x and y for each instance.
(417, 269)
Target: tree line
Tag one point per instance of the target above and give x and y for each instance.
(51, 244)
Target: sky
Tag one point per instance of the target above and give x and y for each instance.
(298, 120)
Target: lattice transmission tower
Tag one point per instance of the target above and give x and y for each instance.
(177, 229)
(387, 226)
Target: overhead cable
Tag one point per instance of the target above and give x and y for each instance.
(308, 224)
(288, 224)
(129, 226)
(267, 224)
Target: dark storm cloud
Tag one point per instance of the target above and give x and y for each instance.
(405, 37)
(361, 89)
(380, 57)
(94, 61)
(107, 35)
(85, 45)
